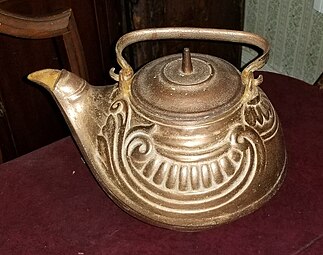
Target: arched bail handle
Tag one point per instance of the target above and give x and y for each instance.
(126, 72)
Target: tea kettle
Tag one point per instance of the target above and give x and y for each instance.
(188, 142)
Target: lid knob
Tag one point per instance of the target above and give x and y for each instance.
(187, 66)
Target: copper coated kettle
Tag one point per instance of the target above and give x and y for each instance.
(188, 142)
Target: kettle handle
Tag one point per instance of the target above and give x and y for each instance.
(126, 72)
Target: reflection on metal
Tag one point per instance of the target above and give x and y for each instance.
(2, 110)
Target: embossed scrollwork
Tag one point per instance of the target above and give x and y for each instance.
(172, 184)
(139, 144)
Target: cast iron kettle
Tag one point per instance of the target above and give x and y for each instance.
(188, 142)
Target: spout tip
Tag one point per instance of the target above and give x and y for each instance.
(46, 78)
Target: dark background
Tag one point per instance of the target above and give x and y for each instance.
(29, 117)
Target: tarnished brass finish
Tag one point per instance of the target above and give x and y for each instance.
(187, 67)
(187, 142)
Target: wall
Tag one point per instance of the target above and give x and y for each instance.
(31, 118)
(295, 32)
(188, 13)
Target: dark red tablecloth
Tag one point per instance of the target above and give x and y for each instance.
(51, 204)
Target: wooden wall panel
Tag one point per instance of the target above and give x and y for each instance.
(227, 14)
(32, 118)
(30, 111)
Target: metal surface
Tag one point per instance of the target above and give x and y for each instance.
(162, 90)
(187, 67)
(176, 163)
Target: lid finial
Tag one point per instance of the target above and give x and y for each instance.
(187, 66)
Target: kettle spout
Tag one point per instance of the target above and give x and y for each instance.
(61, 83)
(47, 78)
(84, 106)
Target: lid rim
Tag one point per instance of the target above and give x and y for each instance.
(213, 97)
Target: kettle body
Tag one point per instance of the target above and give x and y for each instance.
(187, 143)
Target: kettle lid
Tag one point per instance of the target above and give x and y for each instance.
(187, 87)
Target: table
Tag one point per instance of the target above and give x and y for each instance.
(51, 204)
